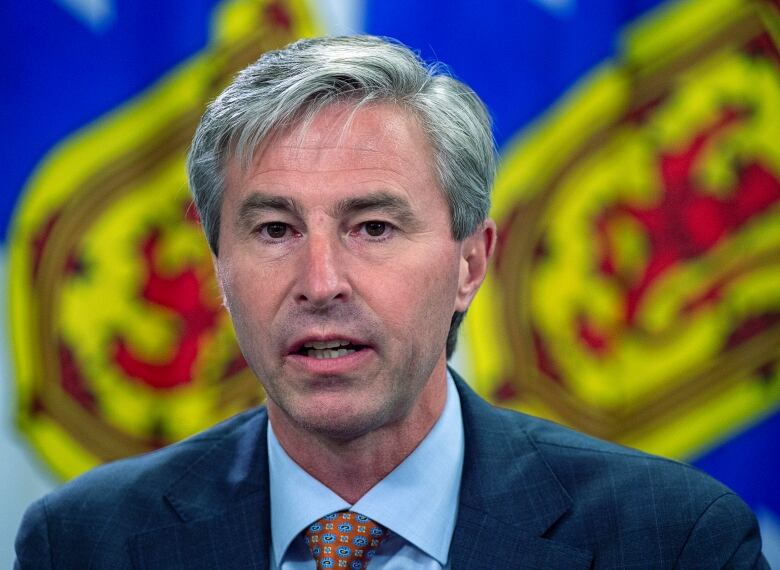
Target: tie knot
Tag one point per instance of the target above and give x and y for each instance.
(344, 540)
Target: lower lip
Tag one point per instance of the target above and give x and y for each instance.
(338, 365)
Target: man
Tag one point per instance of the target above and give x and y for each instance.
(344, 190)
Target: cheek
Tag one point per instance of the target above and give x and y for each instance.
(251, 287)
(416, 293)
(250, 318)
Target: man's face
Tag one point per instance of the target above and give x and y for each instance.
(339, 269)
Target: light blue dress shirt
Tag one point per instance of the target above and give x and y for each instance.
(417, 501)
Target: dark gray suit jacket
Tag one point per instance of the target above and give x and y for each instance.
(533, 495)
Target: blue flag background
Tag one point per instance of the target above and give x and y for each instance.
(63, 69)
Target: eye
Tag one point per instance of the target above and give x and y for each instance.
(374, 231)
(274, 230)
(375, 228)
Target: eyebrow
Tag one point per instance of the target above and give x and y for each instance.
(392, 204)
(257, 202)
(383, 201)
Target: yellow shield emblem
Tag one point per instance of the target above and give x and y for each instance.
(120, 343)
(636, 294)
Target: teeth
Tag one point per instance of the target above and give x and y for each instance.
(326, 344)
(327, 353)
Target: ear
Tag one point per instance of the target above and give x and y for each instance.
(476, 251)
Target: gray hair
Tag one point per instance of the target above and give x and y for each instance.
(291, 85)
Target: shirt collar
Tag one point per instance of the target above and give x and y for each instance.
(418, 500)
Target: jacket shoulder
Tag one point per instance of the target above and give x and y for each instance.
(635, 504)
(102, 508)
(587, 465)
(146, 475)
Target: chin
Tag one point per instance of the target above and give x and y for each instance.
(342, 423)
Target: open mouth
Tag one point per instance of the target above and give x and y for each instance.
(329, 349)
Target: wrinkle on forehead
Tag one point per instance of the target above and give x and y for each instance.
(330, 129)
(384, 141)
(340, 118)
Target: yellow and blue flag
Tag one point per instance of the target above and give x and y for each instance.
(636, 289)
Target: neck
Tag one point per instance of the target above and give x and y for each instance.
(350, 467)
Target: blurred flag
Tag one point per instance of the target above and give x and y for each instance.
(636, 293)
(120, 344)
(636, 290)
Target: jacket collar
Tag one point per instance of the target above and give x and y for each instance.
(234, 469)
(223, 502)
(509, 496)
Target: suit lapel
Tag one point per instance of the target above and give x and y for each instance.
(223, 503)
(509, 497)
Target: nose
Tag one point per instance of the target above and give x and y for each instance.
(323, 278)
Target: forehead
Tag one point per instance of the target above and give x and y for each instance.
(378, 141)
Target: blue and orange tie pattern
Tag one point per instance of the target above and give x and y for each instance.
(344, 540)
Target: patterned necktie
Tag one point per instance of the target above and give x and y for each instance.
(344, 540)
